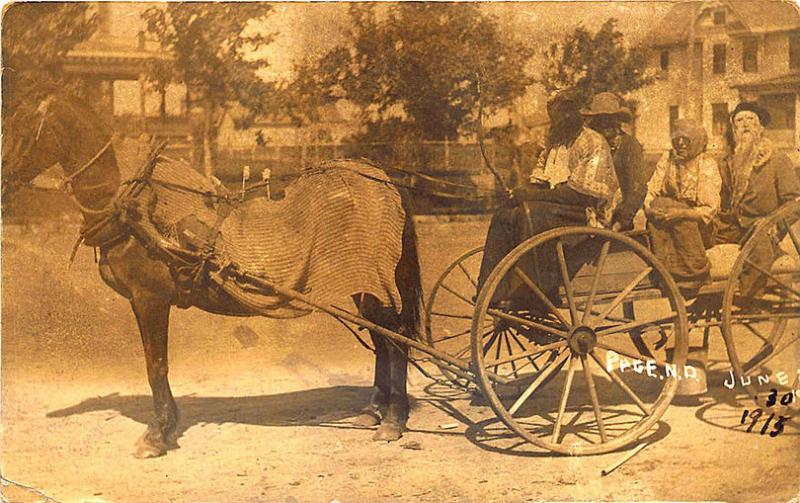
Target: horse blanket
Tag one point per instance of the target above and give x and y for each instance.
(337, 232)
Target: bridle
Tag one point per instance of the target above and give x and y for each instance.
(68, 180)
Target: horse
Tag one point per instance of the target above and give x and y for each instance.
(58, 128)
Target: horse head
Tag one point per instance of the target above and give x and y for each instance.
(48, 128)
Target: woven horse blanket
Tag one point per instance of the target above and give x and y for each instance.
(337, 232)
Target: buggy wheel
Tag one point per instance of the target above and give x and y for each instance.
(448, 320)
(759, 327)
(448, 313)
(563, 291)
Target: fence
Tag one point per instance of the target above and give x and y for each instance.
(457, 162)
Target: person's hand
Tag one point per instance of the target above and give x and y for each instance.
(673, 216)
(616, 226)
(654, 215)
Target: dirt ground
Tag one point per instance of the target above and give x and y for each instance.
(266, 409)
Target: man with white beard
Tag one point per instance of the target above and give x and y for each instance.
(756, 180)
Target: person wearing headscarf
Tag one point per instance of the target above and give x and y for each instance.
(606, 114)
(574, 179)
(756, 181)
(683, 196)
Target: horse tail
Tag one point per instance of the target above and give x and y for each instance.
(408, 275)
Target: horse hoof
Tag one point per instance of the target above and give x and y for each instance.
(367, 420)
(146, 451)
(388, 432)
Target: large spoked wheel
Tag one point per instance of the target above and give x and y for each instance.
(562, 292)
(448, 314)
(762, 300)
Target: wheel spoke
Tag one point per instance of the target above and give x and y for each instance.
(627, 327)
(529, 353)
(543, 375)
(527, 323)
(772, 277)
(490, 341)
(522, 347)
(464, 270)
(623, 295)
(453, 336)
(619, 382)
(497, 349)
(510, 352)
(562, 262)
(596, 281)
(450, 315)
(774, 354)
(564, 398)
(598, 414)
(461, 297)
(538, 292)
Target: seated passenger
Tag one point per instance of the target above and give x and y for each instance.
(606, 115)
(683, 197)
(575, 177)
(756, 180)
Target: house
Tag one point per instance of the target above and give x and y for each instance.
(709, 55)
(113, 62)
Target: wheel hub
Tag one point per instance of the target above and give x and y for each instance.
(582, 340)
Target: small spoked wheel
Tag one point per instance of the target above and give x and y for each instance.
(448, 320)
(589, 380)
(448, 313)
(761, 303)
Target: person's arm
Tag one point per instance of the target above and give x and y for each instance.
(633, 169)
(708, 195)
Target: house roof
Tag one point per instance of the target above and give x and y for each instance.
(781, 82)
(758, 16)
(675, 26)
(767, 15)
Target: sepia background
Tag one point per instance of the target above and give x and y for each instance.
(265, 403)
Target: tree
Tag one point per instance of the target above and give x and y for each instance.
(415, 70)
(36, 38)
(594, 62)
(214, 49)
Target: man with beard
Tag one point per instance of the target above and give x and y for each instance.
(575, 177)
(682, 198)
(606, 115)
(756, 180)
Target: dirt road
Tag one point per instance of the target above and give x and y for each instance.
(266, 408)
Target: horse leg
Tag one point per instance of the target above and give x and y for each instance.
(152, 316)
(379, 399)
(394, 420)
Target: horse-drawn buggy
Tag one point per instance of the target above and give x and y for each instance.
(611, 313)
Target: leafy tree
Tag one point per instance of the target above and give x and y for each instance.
(214, 47)
(414, 70)
(36, 38)
(594, 62)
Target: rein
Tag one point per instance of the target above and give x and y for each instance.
(70, 179)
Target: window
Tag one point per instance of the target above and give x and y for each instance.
(781, 108)
(719, 58)
(794, 51)
(719, 17)
(665, 59)
(127, 94)
(673, 117)
(719, 113)
(750, 55)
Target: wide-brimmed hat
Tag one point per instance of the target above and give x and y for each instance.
(606, 104)
(752, 106)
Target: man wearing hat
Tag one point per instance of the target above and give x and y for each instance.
(756, 180)
(606, 115)
(575, 176)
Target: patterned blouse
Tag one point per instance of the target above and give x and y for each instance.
(586, 166)
(696, 183)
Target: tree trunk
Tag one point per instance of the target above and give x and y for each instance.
(208, 163)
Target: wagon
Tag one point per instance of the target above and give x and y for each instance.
(597, 367)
